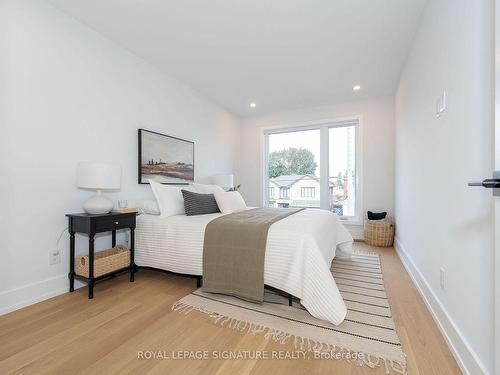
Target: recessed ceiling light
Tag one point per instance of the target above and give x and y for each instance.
(253, 105)
(356, 87)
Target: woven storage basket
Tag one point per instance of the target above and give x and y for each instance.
(104, 261)
(379, 232)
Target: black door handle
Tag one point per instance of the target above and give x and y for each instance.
(491, 183)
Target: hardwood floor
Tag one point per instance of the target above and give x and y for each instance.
(70, 334)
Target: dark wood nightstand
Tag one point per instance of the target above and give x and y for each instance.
(90, 225)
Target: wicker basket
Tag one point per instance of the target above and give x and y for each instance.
(379, 232)
(104, 261)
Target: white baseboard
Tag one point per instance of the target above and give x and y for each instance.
(26, 295)
(465, 356)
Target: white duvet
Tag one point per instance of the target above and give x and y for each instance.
(299, 251)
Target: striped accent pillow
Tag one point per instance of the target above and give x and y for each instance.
(199, 204)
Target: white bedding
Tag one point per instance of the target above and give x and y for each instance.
(299, 251)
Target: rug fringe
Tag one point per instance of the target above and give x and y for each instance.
(300, 342)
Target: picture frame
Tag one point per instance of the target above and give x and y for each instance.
(164, 158)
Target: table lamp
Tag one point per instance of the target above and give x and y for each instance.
(98, 176)
(223, 180)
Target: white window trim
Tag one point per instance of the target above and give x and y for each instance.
(323, 125)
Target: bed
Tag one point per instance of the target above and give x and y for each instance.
(299, 251)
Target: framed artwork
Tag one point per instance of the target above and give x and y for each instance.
(165, 159)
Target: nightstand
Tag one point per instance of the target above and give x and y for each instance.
(91, 225)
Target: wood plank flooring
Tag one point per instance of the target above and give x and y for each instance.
(69, 334)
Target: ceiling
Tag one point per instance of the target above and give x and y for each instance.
(280, 54)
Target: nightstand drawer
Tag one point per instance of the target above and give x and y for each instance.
(115, 222)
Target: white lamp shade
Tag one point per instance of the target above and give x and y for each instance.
(96, 175)
(223, 180)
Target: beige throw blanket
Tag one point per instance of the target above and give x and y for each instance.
(234, 251)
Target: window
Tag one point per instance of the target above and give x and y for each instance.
(271, 193)
(307, 192)
(284, 193)
(342, 170)
(294, 157)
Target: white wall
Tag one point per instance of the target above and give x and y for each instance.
(441, 222)
(378, 149)
(69, 94)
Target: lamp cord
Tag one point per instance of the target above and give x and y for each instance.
(59, 239)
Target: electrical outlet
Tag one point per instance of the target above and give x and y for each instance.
(54, 257)
(442, 278)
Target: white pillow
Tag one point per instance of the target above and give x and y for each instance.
(169, 198)
(149, 206)
(206, 189)
(230, 201)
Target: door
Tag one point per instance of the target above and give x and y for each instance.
(493, 183)
(497, 199)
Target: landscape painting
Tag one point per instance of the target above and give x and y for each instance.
(165, 159)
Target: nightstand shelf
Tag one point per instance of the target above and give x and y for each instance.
(102, 277)
(91, 225)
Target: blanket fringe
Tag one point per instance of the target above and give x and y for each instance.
(301, 343)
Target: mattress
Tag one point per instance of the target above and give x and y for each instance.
(299, 251)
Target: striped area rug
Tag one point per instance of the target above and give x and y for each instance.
(366, 337)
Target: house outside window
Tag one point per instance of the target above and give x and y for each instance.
(271, 193)
(307, 192)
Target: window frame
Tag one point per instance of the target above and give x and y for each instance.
(271, 189)
(311, 189)
(323, 126)
(284, 196)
